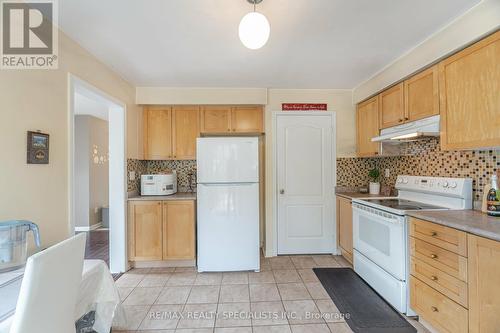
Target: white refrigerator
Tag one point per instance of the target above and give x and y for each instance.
(228, 204)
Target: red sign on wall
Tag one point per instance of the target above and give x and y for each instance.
(303, 107)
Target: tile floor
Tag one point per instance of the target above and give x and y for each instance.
(285, 296)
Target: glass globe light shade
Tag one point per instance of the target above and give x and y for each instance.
(254, 30)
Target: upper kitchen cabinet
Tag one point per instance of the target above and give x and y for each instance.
(469, 85)
(185, 130)
(236, 119)
(367, 127)
(421, 93)
(157, 133)
(391, 106)
(247, 119)
(171, 132)
(215, 119)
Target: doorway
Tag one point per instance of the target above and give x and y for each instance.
(87, 101)
(305, 183)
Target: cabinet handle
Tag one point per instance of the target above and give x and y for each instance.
(434, 278)
(434, 256)
(406, 118)
(434, 234)
(400, 120)
(434, 309)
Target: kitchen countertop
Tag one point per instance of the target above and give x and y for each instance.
(176, 196)
(471, 221)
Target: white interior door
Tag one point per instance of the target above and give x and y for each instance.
(305, 184)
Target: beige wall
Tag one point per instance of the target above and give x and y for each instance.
(38, 100)
(476, 23)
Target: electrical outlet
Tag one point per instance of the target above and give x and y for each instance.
(96, 210)
(131, 175)
(387, 173)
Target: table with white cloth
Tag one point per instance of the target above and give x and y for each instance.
(98, 294)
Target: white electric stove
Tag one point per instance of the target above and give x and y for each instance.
(380, 231)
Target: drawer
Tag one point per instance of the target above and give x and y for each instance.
(442, 282)
(437, 309)
(439, 258)
(448, 238)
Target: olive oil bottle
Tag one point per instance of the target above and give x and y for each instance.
(493, 204)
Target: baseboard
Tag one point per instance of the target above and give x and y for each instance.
(163, 263)
(90, 228)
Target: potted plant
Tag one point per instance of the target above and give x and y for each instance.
(374, 175)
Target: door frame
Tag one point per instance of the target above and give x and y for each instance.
(275, 185)
(117, 122)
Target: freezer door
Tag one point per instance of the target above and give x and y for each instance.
(228, 227)
(228, 160)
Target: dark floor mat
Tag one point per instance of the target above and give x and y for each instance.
(365, 311)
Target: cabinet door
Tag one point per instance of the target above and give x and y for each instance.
(469, 86)
(215, 119)
(247, 119)
(344, 211)
(178, 230)
(185, 131)
(484, 282)
(422, 95)
(158, 133)
(367, 127)
(145, 230)
(391, 106)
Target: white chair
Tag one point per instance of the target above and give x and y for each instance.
(49, 289)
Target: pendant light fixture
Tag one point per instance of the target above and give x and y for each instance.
(254, 28)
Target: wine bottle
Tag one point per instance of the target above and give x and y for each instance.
(493, 200)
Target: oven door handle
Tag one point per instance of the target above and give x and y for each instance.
(386, 217)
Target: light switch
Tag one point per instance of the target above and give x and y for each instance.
(131, 175)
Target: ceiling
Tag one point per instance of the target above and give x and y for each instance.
(194, 43)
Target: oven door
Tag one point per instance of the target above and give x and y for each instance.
(381, 237)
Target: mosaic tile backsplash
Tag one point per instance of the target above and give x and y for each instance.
(186, 172)
(425, 158)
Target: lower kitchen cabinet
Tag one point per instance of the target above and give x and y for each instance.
(448, 301)
(178, 230)
(145, 230)
(484, 285)
(344, 227)
(161, 230)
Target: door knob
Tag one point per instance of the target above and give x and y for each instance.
(282, 191)
(434, 256)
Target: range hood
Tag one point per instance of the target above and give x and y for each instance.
(410, 131)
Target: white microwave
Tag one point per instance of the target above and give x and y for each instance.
(162, 184)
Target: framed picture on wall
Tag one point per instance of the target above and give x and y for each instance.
(38, 148)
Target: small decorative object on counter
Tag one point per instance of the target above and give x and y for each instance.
(493, 200)
(374, 175)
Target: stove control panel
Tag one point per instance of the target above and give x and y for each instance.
(456, 187)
